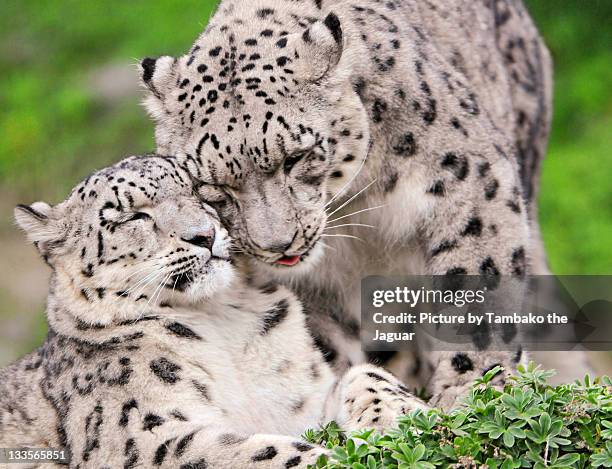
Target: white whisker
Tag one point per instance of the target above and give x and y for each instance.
(348, 224)
(156, 292)
(90, 289)
(162, 286)
(352, 198)
(143, 280)
(175, 282)
(327, 246)
(153, 271)
(161, 271)
(342, 236)
(349, 182)
(355, 213)
(146, 267)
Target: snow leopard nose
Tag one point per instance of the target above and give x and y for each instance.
(202, 239)
(279, 247)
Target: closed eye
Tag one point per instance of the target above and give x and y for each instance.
(210, 193)
(292, 160)
(139, 216)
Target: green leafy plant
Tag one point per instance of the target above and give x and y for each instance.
(528, 424)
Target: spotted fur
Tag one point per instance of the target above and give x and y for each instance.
(284, 109)
(160, 352)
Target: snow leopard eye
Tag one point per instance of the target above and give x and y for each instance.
(139, 216)
(292, 160)
(132, 217)
(211, 193)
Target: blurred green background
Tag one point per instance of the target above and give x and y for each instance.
(69, 103)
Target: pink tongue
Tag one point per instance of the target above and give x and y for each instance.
(288, 260)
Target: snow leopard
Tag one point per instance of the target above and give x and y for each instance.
(162, 350)
(416, 126)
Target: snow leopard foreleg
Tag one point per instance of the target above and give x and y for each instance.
(367, 396)
(479, 228)
(205, 448)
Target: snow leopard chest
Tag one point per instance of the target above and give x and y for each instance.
(261, 376)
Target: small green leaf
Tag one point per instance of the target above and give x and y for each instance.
(508, 439)
(419, 452)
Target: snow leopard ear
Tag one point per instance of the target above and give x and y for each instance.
(36, 221)
(158, 74)
(322, 46)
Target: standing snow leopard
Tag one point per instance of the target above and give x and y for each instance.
(160, 353)
(441, 109)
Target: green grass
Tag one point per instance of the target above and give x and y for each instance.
(529, 424)
(576, 192)
(576, 203)
(55, 127)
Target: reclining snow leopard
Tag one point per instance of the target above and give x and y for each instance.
(160, 353)
(282, 108)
